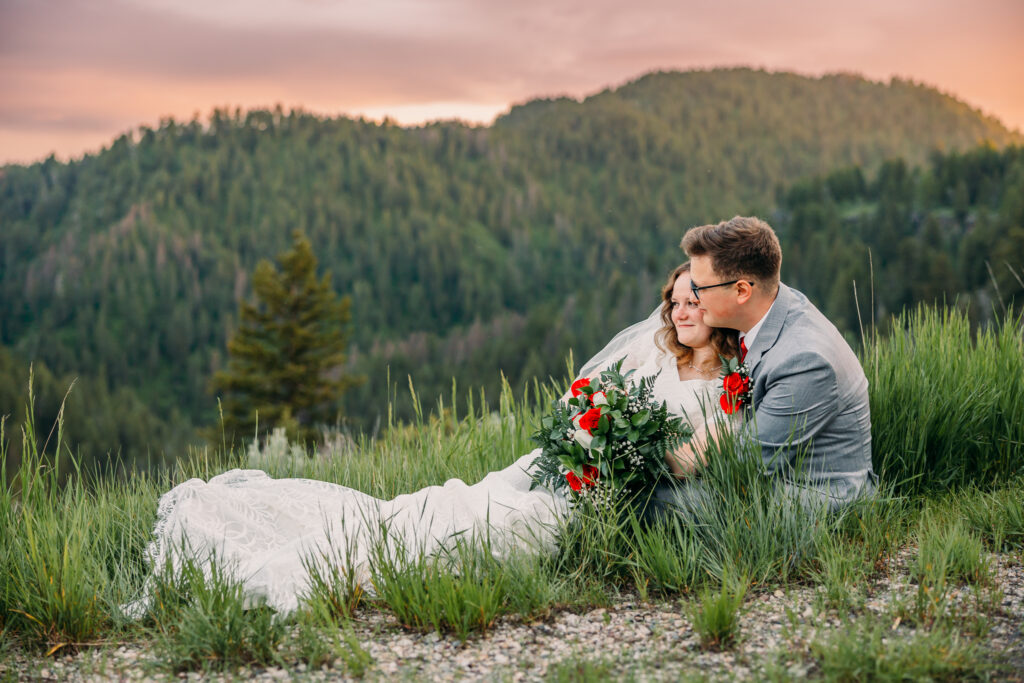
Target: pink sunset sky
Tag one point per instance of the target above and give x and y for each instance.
(74, 74)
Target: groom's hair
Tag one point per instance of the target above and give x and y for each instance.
(743, 246)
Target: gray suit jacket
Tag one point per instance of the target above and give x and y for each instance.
(810, 403)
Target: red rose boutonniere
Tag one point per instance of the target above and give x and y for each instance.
(735, 385)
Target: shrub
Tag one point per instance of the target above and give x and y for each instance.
(716, 617)
(212, 626)
(997, 516)
(461, 593)
(870, 651)
(948, 551)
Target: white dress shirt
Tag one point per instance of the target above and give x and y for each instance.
(747, 338)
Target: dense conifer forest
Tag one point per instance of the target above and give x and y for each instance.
(473, 251)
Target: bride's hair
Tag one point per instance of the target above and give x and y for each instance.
(724, 341)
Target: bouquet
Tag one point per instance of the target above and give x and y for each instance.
(609, 439)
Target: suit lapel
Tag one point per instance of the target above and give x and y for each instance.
(769, 332)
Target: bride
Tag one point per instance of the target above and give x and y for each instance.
(268, 530)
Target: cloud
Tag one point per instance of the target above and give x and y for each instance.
(124, 38)
(30, 118)
(76, 65)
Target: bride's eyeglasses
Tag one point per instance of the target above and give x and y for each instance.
(696, 290)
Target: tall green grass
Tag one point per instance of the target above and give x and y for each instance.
(749, 525)
(946, 401)
(665, 557)
(66, 548)
(436, 446)
(203, 621)
(463, 593)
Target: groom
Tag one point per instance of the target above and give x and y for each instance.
(809, 395)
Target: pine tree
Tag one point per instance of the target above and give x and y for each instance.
(286, 365)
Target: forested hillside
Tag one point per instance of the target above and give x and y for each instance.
(467, 250)
(951, 231)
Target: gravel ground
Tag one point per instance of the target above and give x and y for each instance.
(647, 641)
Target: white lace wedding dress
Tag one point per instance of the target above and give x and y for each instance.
(265, 531)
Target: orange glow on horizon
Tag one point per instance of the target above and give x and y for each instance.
(74, 80)
(141, 104)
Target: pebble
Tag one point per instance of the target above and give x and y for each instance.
(651, 641)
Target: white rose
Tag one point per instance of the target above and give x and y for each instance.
(583, 437)
(599, 398)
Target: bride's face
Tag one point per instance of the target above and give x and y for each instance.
(687, 317)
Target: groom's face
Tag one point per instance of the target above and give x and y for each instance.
(718, 304)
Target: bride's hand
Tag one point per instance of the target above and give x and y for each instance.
(688, 457)
(685, 460)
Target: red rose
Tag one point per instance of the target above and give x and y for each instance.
(729, 403)
(590, 475)
(734, 383)
(574, 482)
(578, 385)
(589, 419)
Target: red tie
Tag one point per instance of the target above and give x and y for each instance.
(743, 350)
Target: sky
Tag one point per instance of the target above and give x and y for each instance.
(75, 74)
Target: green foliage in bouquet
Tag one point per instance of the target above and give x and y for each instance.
(610, 437)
